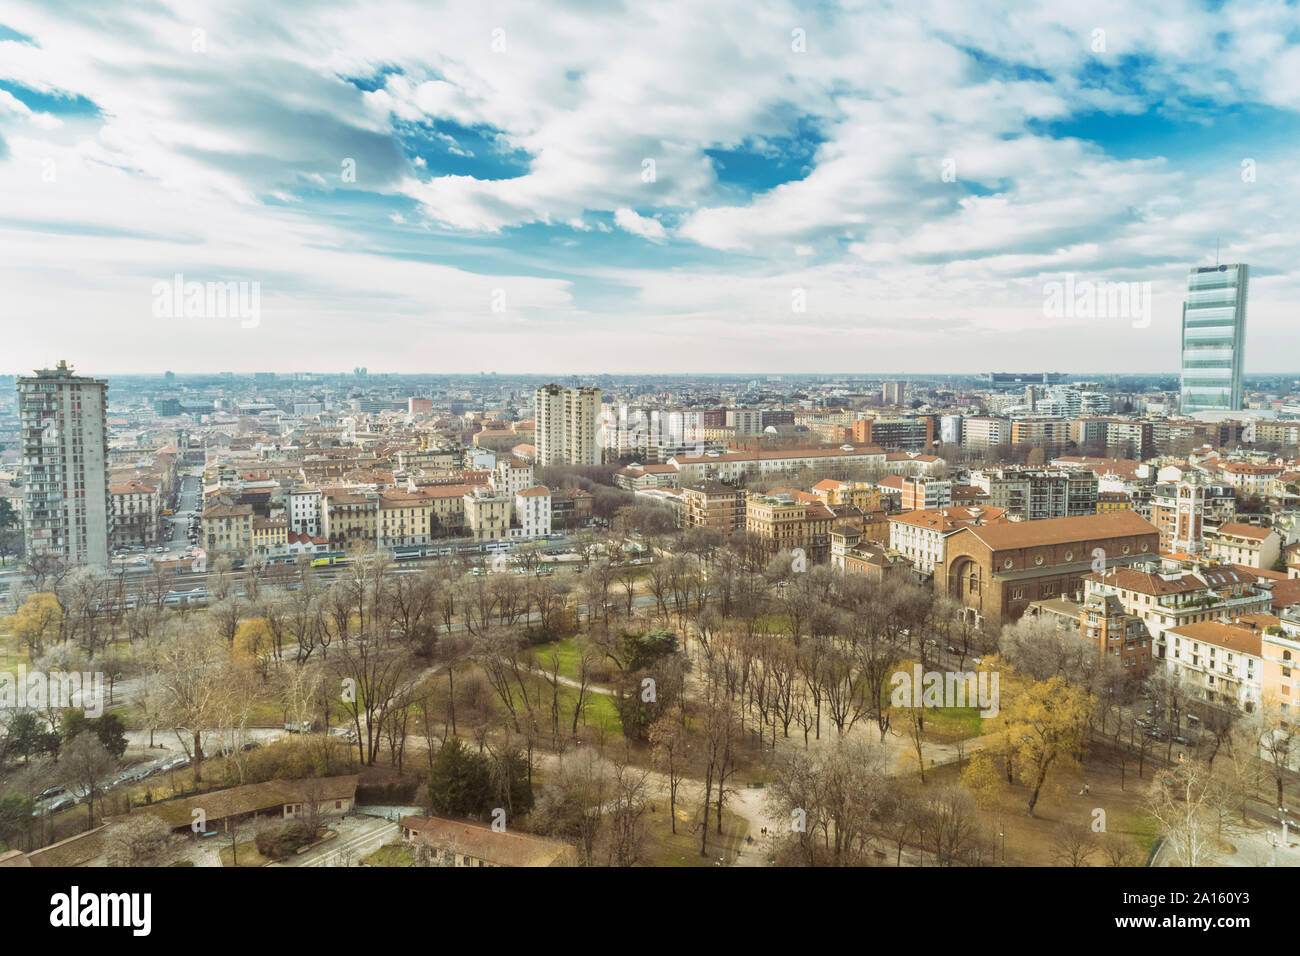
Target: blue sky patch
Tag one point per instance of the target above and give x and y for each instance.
(56, 103)
(449, 149)
(760, 164)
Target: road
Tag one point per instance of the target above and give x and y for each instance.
(358, 838)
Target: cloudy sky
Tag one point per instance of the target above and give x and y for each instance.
(593, 186)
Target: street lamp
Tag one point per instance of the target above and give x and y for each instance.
(1002, 832)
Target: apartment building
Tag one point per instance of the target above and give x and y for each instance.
(745, 421)
(711, 504)
(1222, 662)
(852, 553)
(1041, 432)
(351, 520)
(566, 424)
(635, 477)
(62, 434)
(570, 509)
(781, 522)
(1251, 479)
(511, 476)
(1248, 544)
(1035, 494)
(304, 510)
(1286, 433)
(136, 513)
(1280, 649)
(910, 433)
(269, 536)
(1175, 598)
(1103, 620)
(533, 511)
(863, 495)
(980, 433)
(403, 519)
(446, 508)
(734, 466)
(920, 493)
(1089, 432)
(487, 514)
(228, 530)
(1108, 501)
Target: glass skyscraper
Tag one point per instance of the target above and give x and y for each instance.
(1214, 338)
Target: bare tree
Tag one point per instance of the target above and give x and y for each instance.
(1074, 845)
(670, 746)
(85, 766)
(1186, 800)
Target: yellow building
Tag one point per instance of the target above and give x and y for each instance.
(270, 535)
(403, 519)
(228, 530)
(783, 523)
(487, 514)
(1111, 501)
(446, 508)
(351, 520)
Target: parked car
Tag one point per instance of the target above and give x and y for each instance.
(52, 792)
(60, 804)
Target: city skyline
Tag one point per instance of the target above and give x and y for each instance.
(550, 191)
(615, 436)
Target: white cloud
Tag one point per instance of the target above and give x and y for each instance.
(201, 162)
(629, 221)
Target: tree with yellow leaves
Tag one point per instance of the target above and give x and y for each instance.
(981, 778)
(253, 641)
(37, 620)
(1044, 727)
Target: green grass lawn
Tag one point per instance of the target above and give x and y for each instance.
(11, 652)
(601, 711)
(953, 723)
(1146, 829)
(248, 855)
(664, 848)
(569, 656)
(390, 854)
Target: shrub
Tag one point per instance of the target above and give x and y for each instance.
(281, 842)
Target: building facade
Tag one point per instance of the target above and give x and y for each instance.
(1214, 338)
(566, 425)
(66, 502)
(997, 571)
